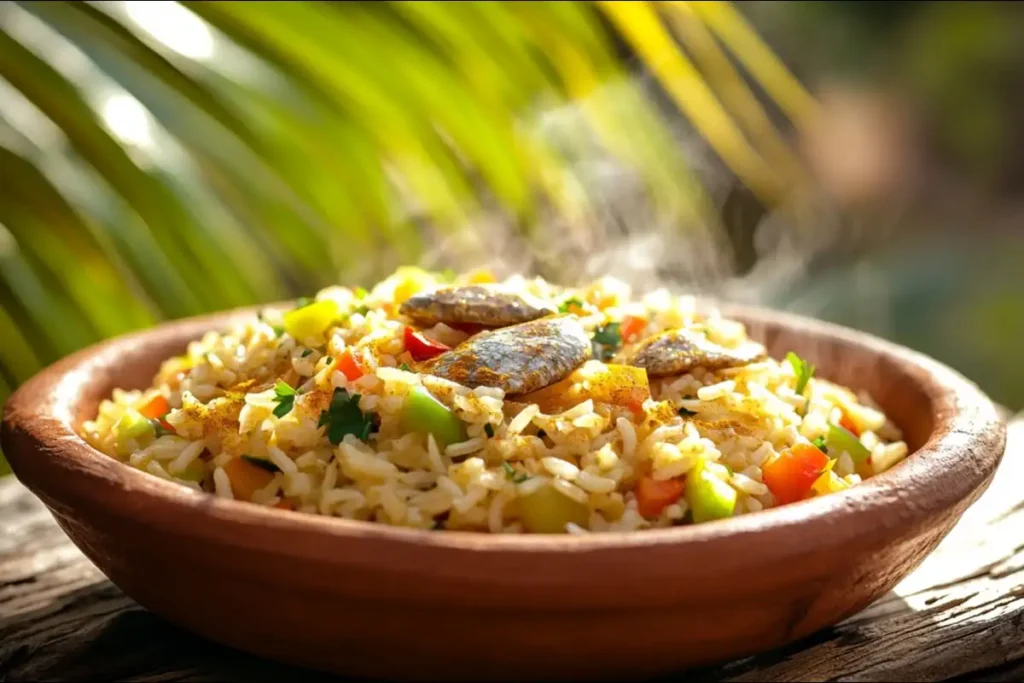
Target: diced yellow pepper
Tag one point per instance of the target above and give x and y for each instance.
(312, 321)
(411, 280)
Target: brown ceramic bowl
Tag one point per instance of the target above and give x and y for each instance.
(372, 600)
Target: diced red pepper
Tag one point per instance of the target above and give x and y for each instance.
(631, 327)
(653, 496)
(849, 425)
(792, 473)
(349, 366)
(156, 407)
(421, 348)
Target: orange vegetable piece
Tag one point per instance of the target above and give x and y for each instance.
(792, 473)
(349, 366)
(246, 478)
(653, 496)
(156, 407)
(285, 504)
(847, 423)
(631, 327)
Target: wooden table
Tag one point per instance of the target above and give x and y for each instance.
(959, 616)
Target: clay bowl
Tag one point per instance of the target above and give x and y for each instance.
(376, 601)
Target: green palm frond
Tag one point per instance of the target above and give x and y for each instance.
(160, 159)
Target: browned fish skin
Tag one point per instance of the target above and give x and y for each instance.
(473, 304)
(678, 351)
(518, 359)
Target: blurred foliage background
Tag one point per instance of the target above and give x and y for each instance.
(856, 161)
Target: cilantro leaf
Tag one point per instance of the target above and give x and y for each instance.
(405, 366)
(278, 330)
(608, 335)
(606, 341)
(570, 303)
(158, 427)
(284, 396)
(260, 462)
(819, 443)
(804, 371)
(511, 474)
(344, 417)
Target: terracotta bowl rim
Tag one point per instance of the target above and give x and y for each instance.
(925, 484)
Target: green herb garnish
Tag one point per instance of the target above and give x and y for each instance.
(569, 303)
(330, 359)
(284, 396)
(361, 310)
(306, 352)
(804, 371)
(344, 417)
(360, 293)
(158, 427)
(819, 443)
(489, 430)
(512, 475)
(278, 330)
(606, 341)
(405, 366)
(260, 462)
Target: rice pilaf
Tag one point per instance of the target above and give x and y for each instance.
(506, 407)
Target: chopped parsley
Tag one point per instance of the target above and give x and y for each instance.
(158, 427)
(606, 341)
(284, 396)
(330, 359)
(307, 352)
(278, 330)
(570, 303)
(489, 430)
(819, 443)
(804, 371)
(344, 417)
(361, 310)
(512, 475)
(686, 412)
(405, 366)
(260, 462)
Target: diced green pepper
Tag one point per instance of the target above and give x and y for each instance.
(195, 471)
(546, 511)
(312, 321)
(840, 439)
(423, 413)
(132, 426)
(708, 496)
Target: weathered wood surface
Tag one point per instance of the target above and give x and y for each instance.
(960, 616)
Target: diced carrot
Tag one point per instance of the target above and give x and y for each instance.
(246, 478)
(792, 473)
(349, 366)
(847, 423)
(631, 328)
(653, 496)
(284, 504)
(156, 407)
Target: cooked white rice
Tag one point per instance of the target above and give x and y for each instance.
(212, 420)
